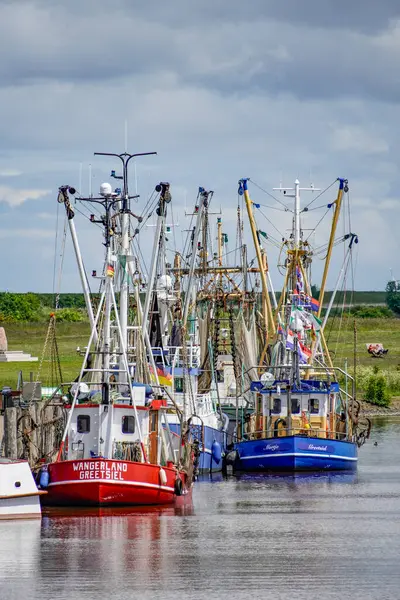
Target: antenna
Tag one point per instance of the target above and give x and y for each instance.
(136, 180)
(126, 138)
(80, 177)
(311, 180)
(90, 180)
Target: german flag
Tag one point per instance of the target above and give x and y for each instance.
(164, 377)
(110, 271)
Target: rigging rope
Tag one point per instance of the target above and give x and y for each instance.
(57, 299)
(319, 195)
(271, 196)
(317, 225)
(271, 223)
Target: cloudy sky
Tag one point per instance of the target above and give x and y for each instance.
(264, 89)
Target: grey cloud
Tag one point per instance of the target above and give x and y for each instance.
(103, 41)
(357, 15)
(221, 90)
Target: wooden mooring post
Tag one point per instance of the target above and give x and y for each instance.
(32, 433)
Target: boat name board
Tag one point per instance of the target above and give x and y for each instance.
(319, 448)
(273, 447)
(100, 470)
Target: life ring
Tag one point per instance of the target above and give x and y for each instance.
(178, 487)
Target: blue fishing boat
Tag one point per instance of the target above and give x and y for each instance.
(301, 438)
(305, 413)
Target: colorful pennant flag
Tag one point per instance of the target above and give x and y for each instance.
(304, 353)
(164, 377)
(314, 304)
(299, 284)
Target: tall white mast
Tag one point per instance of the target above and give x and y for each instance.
(296, 236)
(63, 198)
(123, 272)
(297, 213)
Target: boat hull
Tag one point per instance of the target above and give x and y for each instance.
(104, 482)
(20, 507)
(295, 453)
(19, 496)
(208, 461)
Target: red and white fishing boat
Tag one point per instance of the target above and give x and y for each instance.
(113, 478)
(117, 447)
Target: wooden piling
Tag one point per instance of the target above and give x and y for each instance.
(10, 432)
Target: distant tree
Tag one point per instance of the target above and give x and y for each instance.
(315, 291)
(18, 307)
(393, 296)
(370, 312)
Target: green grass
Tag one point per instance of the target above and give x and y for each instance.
(30, 337)
(384, 331)
(340, 338)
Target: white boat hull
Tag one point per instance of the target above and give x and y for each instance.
(20, 507)
(19, 496)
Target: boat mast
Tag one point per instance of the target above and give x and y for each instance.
(297, 249)
(63, 198)
(268, 318)
(219, 225)
(203, 204)
(125, 158)
(165, 198)
(297, 232)
(343, 187)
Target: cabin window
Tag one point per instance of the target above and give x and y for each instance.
(220, 376)
(313, 406)
(178, 385)
(128, 424)
(295, 406)
(276, 406)
(83, 424)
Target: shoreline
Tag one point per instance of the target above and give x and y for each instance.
(371, 410)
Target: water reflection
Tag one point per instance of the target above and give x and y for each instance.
(327, 535)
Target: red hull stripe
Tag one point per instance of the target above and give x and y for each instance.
(121, 483)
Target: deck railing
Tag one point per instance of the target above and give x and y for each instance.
(315, 432)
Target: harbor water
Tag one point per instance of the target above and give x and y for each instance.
(325, 536)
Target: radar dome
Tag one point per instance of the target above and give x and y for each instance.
(83, 390)
(267, 379)
(105, 190)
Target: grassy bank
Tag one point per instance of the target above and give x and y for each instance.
(30, 337)
(340, 337)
